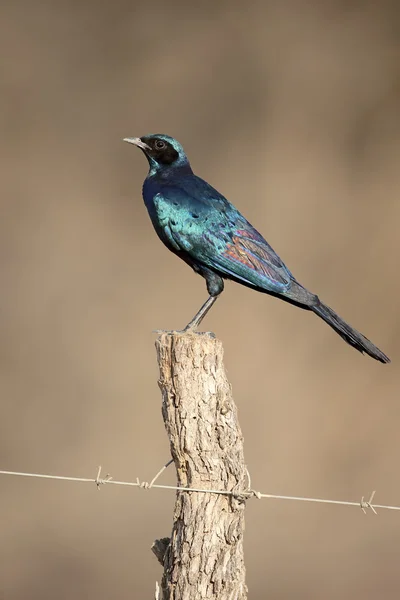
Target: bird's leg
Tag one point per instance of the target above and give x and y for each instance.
(215, 286)
(197, 319)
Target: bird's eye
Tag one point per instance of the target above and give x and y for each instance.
(160, 145)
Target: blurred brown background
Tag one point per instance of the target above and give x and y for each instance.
(292, 110)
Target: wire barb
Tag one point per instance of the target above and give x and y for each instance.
(157, 475)
(256, 494)
(144, 485)
(368, 504)
(99, 481)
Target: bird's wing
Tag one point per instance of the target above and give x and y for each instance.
(216, 235)
(248, 257)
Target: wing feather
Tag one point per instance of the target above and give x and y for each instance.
(220, 238)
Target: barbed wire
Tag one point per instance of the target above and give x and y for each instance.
(245, 494)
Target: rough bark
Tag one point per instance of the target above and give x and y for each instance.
(203, 559)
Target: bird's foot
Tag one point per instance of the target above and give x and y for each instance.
(186, 331)
(210, 334)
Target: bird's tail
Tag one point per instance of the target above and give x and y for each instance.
(350, 335)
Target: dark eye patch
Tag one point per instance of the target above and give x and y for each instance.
(165, 155)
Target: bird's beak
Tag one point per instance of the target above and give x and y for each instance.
(137, 142)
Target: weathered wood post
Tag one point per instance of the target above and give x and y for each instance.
(203, 558)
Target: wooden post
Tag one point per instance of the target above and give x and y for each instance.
(203, 559)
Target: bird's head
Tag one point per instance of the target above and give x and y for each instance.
(162, 152)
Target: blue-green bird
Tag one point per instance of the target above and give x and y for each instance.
(205, 230)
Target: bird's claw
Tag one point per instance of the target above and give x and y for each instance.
(210, 334)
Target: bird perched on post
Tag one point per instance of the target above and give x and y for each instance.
(205, 230)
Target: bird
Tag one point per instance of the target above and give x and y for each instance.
(200, 226)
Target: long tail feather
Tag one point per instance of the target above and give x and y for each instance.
(350, 335)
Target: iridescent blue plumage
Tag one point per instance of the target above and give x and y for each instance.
(204, 229)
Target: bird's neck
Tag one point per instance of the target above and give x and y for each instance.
(170, 171)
